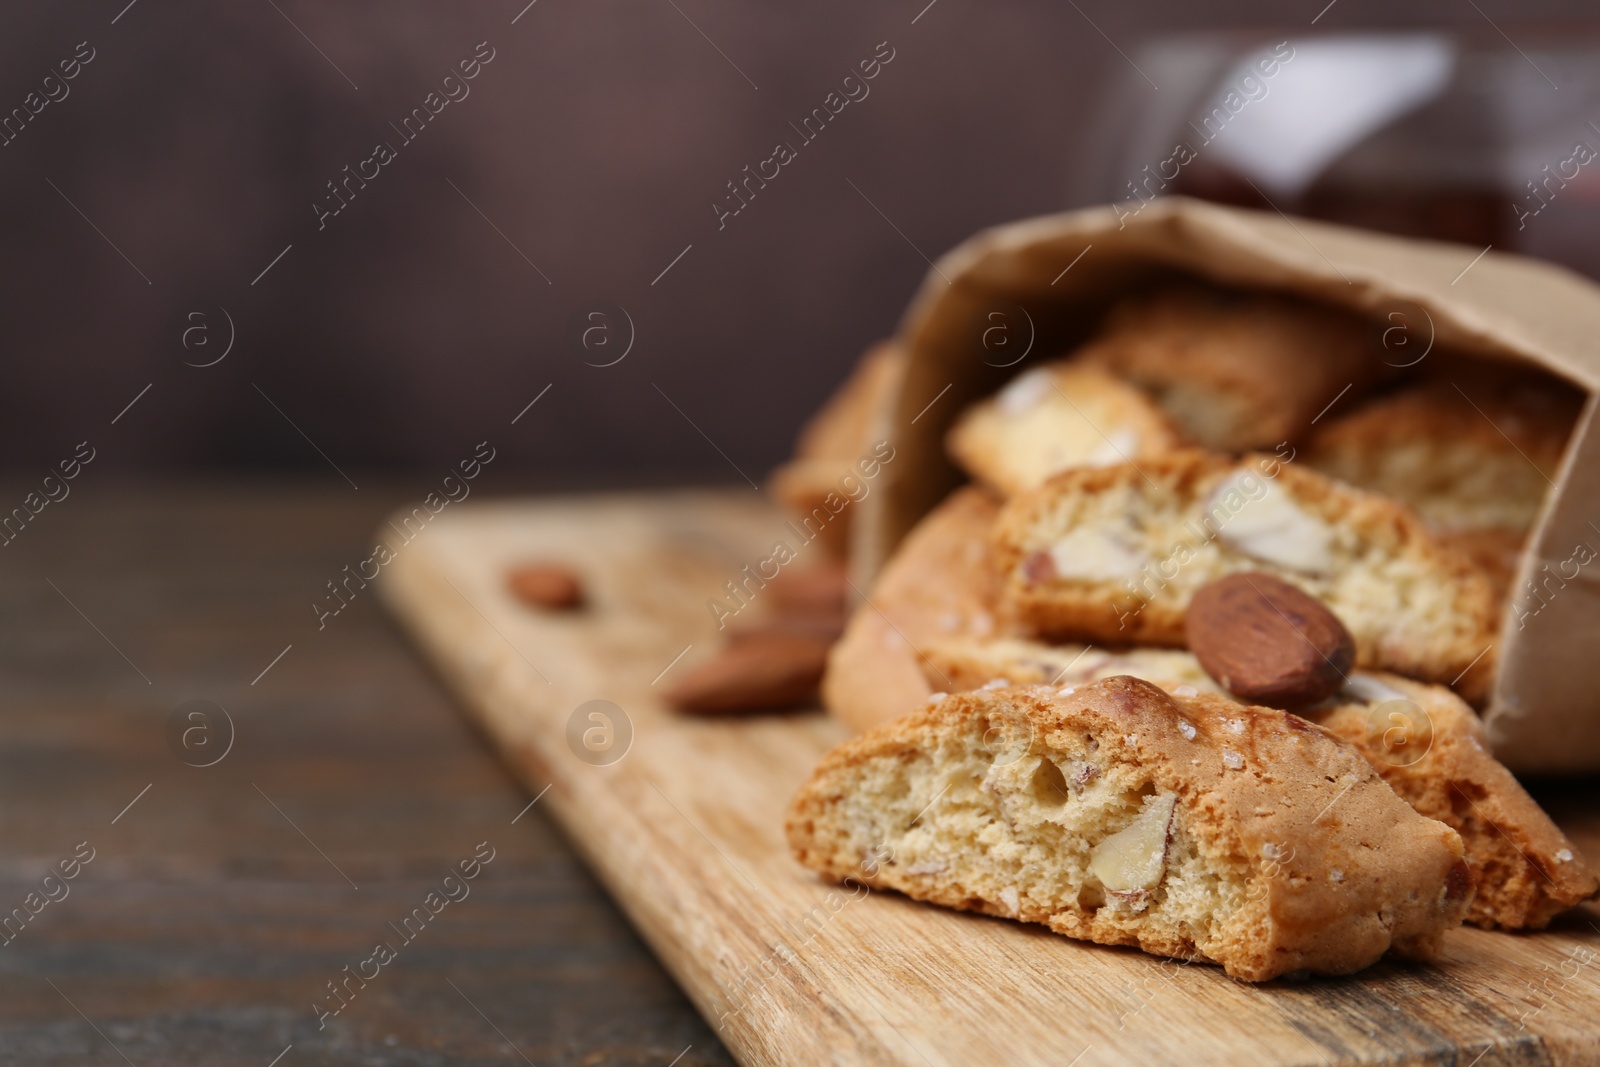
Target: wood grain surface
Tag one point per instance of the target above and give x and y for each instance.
(683, 824)
(207, 924)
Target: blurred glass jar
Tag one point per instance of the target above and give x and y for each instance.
(1457, 136)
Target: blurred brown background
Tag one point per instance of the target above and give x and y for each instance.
(596, 141)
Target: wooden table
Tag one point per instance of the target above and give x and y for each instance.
(220, 904)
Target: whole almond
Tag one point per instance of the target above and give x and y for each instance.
(760, 672)
(1267, 641)
(545, 585)
(824, 627)
(818, 589)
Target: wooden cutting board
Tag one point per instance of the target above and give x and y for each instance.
(684, 824)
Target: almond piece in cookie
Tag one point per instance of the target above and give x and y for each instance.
(1188, 827)
(1235, 370)
(1266, 642)
(1117, 554)
(1054, 417)
(1431, 749)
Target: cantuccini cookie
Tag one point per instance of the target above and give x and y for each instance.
(1115, 554)
(1431, 749)
(1422, 739)
(1471, 447)
(938, 584)
(1474, 448)
(1051, 418)
(1189, 827)
(1237, 371)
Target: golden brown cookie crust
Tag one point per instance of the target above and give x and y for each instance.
(1435, 755)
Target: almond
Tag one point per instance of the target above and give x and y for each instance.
(825, 627)
(545, 585)
(760, 672)
(1271, 526)
(1267, 641)
(1097, 553)
(822, 589)
(1039, 567)
(1134, 859)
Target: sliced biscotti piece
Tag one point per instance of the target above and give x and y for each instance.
(1425, 742)
(962, 663)
(1236, 370)
(1473, 447)
(938, 584)
(1196, 828)
(1054, 417)
(1431, 749)
(1116, 554)
(1423, 739)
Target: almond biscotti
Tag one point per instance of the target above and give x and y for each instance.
(1424, 741)
(1115, 554)
(938, 584)
(1431, 749)
(1054, 417)
(1117, 813)
(1238, 371)
(1470, 448)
